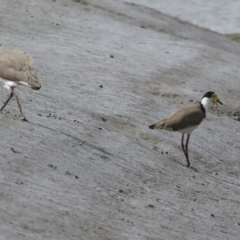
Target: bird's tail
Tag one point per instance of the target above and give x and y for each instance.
(158, 125)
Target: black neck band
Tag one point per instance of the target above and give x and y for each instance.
(203, 109)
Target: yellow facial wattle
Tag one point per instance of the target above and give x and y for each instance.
(215, 99)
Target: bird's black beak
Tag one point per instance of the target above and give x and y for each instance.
(219, 102)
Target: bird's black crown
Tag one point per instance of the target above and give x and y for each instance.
(208, 94)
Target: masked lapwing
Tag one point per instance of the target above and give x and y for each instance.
(15, 70)
(185, 120)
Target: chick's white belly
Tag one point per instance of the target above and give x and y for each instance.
(8, 84)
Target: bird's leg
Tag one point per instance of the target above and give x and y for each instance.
(186, 149)
(182, 144)
(4, 105)
(19, 105)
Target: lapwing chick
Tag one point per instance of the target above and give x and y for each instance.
(15, 70)
(186, 119)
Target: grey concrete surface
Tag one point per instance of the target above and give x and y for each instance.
(220, 16)
(86, 166)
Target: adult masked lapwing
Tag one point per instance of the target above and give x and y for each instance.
(15, 70)
(185, 120)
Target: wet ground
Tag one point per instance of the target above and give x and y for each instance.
(87, 166)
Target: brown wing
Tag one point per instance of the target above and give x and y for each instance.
(185, 117)
(15, 66)
(158, 125)
(16, 58)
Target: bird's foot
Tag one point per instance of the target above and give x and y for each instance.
(24, 119)
(194, 169)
